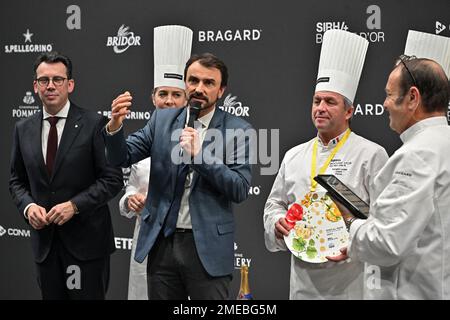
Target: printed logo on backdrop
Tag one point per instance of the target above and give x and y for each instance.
(240, 259)
(123, 40)
(73, 21)
(234, 107)
(368, 109)
(28, 46)
(2, 231)
(255, 190)
(28, 108)
(14, 232)
(123, 243)
(229, 35)
(126, 176)
(372, 33)
(133, 115)
(440, 27)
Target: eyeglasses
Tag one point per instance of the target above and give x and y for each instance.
(44, 81)
(404, 58)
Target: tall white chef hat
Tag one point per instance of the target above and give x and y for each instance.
(429, 46)
(171, 49)
(341, 62)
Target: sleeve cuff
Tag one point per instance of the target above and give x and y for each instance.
(112, 132)
(26, 209)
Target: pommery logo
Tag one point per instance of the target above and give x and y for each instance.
(239, 259)
(28, 47)
(234, 107)
(28, 109)
(123, 40)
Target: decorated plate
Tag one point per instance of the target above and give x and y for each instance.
(318, 229)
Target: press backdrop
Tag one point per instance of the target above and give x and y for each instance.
(272, 51)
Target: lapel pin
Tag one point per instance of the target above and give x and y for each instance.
(76, 126)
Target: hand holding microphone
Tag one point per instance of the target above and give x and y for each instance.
(189, 139)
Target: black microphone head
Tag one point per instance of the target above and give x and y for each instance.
(194, 110)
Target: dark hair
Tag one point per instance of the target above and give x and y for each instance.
(54, 57)
(431, 82)
(209, 60)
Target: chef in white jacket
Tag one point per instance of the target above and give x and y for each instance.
(335, 150)
(172, 48)
(406, 240)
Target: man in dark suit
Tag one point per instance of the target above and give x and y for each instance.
(61, 183)
(188, 226)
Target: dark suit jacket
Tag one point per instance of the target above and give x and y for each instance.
(214, 187)
(81, 174)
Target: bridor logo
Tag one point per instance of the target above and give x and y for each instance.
(28, 47)
(234, 107)
(2, 231)
(229, 35)
(123, 40)
(28, 109)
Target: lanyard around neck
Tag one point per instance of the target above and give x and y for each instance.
(327, 162)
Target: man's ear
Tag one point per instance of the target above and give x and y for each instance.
(71, 86)
(349, 112)
(414, 98)
(221, 91)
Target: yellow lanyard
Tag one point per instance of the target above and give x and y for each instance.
(327, 163)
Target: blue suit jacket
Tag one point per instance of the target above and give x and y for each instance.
(214, 187)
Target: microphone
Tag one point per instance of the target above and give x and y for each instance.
(194, 111)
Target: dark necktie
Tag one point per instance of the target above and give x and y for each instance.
(172, 217)
(52, 144)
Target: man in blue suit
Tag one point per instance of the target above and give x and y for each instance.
(187, 224)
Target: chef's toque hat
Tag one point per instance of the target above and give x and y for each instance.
(341, 62)
(172, 48)
(429, 46)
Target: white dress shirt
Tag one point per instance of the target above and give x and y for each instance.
(184, 218)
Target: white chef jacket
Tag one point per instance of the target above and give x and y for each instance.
(356, 164)
(137, 183)
(406, 240)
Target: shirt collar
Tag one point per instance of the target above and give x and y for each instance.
(61, 114)
(206, 119)
(421, 125)
(333, 142)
